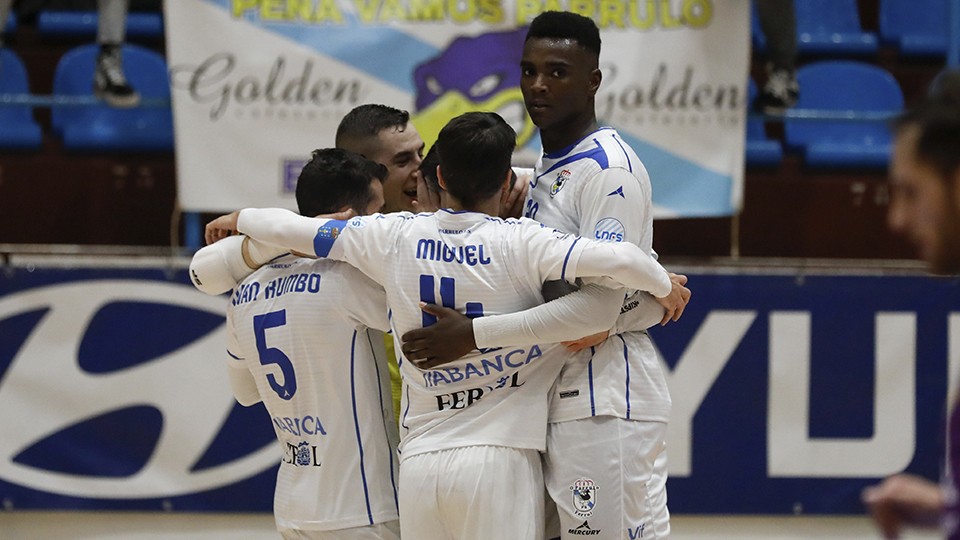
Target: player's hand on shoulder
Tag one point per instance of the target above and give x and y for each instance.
(221, 227)
(428, 199)
(342, 215)
(511, 203)
(675, 302)
(442, 342)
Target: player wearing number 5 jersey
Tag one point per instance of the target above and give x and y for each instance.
(471, 430)
(305, 338)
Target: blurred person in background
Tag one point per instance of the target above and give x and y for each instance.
(109, 82)
(778, 20)
(925, 207)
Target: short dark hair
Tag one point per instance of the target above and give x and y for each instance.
(475, 149)
(366, 121)
(566, 25)
(334, 178)
(938, 122)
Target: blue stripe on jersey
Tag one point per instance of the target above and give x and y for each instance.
(356, 425)
(593, 405)
(626, 362)
(625, 153)
(235, 357)
(563, 271)
(326, 235)
(597, 154)
(386, 430)
(427, 294)
(403, 419)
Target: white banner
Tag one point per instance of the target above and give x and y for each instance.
(258, 84)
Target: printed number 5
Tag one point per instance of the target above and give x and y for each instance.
(271, 355)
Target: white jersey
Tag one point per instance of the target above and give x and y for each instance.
(302, 328)
(599, 189)
(478, 265)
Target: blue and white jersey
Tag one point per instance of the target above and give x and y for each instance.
(479, 265)
(599, 189)
(304, 330)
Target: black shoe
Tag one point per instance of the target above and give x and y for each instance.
(109, 83)
(780, 93)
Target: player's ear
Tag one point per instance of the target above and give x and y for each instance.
(594, 81)
(440, 180)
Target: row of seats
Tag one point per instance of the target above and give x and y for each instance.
(83, 24)
(81, 122)
(870, 95)
(835, 85)
(914, 27)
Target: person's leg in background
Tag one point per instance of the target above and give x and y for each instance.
(778, 20)
(110, 83)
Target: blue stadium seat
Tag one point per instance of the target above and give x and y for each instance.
(832, 27)
(840, 85)
(916, 27)
(18, 130)
(757, 38)
(760, 151)
(53, 23)
(11, 24)
(98, 126)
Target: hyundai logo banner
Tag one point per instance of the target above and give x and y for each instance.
(790, 393)
(114, 395)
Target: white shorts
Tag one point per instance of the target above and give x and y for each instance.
(609, 475)
(475, 492)
(389, 530)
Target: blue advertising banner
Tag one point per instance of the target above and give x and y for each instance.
(113, 395)
(791, 392)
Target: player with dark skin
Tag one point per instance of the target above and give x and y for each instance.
(559, 81)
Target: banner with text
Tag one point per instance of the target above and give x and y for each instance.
(258, 84)
(791, 393)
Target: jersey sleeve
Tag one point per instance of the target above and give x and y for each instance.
(575, 315)
(639, 312)
(613, 207)
(366, 301)
(364, 241)
(217, 268)
(621, 265)
(547, 254)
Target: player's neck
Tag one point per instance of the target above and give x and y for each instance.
(490, 206)
(562, 136)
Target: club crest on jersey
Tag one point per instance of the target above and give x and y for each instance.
(584, 497)
(328, 232)
(301, 455)
(558, 183)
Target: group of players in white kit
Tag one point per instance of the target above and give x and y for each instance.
(482, 436)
